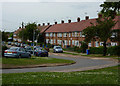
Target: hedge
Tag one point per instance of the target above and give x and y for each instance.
(114, 50)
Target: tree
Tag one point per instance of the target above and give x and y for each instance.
(110, 8)
(29, 32)
(102, 30)
(4, 36)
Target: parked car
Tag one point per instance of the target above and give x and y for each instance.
(16, 52)
(9, 43)
(29, 49)
(57, 49)
(16, 43)
(19, 44)
(40, 52)
(12, 43)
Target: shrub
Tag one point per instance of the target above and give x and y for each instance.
(96, 50)
(114, 50)
(83, 47)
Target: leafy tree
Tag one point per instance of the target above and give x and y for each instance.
(103, 31)
(4, 36)
(110, 8)
(29, 32)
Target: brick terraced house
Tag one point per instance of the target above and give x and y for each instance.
(70, 34)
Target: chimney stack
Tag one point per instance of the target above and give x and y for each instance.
(62, 21)
(99, 15)
(48, 23)
(43, 24)
(87, 17)
(69, 21)
(38, 24)
(78, 19)
(55, 22)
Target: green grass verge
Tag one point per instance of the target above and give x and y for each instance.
(100, 76)
(10, 62)
(71, 53)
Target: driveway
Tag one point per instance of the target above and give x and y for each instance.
(82, 63)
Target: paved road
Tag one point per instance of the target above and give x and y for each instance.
(81, 64)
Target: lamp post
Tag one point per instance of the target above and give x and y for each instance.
(33, 41)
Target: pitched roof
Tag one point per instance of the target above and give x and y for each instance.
(78, 26)
(43, 28)
(18, 30)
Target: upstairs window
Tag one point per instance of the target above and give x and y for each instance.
(65, 35)
(51, 34)
(76, 34)
(73, 34)
(47, 34)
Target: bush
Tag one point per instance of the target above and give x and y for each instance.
(3, 49)
(114, 50)
(96, 50)
(83, 47)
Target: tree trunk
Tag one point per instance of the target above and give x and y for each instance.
(104, 49)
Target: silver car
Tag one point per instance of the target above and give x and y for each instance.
(57, 49)
(16, 52)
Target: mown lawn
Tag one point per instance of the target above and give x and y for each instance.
(10, 62)
(100, 76)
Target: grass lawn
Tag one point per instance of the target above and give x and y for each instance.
(100, 76)
(71, 53)
(10, 62)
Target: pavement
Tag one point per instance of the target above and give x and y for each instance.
(82, 64)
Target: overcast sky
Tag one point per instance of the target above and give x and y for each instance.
(42, 11)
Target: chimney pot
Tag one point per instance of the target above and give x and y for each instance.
(43, 24)
(55, 22)
(69, 21)
(62, 21)
(99, 15)
(87, 17)
(38, 24)
(48, 23)
(78, 19)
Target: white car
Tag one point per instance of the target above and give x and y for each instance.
(57, 49)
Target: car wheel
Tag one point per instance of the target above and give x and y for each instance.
(47, 55)
(19, 56)
(29, 56)
(40, 55)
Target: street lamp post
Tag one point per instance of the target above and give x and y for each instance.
(33, 41)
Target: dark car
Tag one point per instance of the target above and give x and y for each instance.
(29, 49)
(40, 52)
(9, 43)
(19, 44)
(16, 52)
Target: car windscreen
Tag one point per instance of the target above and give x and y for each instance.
(13, 48)
(58, 47)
